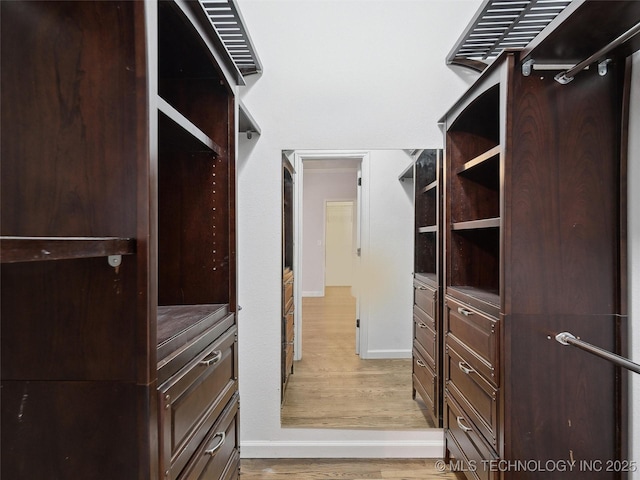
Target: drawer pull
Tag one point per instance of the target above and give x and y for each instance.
(464, 311)
(465, 368)
(420, 363)
(214, 450)
(210, 360)
(420, 287)
(461, 425)
(422, 325)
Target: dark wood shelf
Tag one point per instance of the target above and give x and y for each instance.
(429, 278)
(428, 229)
(480, 159)
(477, 224)
(177, 324)
(486, 300)
(37, 249)
(185, 124)
(430, 187)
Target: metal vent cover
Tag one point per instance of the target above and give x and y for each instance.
(228, 23)
(500, 25)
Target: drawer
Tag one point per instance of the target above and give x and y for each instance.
(287, 293)
(426, 337)
(424, 382)
(477, 397)
(425, 298)
(170, 362)
(217, 457)
(289, 327)
(191, 401)
(423, 317)
(468, 329)
(464, 443)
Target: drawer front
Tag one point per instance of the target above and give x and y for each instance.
(476, 454)
(424, 381)
(287, 293)
(217, 456)
(426, 337)
(477, 397)
(469, 329)
(425, 298)
(191, 400)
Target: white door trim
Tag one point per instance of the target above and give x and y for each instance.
(299, 156)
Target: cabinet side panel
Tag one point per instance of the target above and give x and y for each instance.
(560, 402)
(72, 430)
(69, 320)
(68, 119)
(562, 191)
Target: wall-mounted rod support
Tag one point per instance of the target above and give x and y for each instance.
(566, 77)
(566, 338)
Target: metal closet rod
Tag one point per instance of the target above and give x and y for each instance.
(567, 76)
(566, 338)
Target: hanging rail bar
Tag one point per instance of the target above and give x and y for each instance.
(566, 338)
(567, 76)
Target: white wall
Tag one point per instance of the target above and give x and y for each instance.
(359, 74)
(634, 260)
(387, 265)
(320, 186)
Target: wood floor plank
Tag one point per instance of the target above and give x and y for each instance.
(332, 387)
(341, 469)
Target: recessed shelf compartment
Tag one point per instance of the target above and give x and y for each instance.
(36, 249)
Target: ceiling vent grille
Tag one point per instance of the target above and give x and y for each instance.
(501, 25)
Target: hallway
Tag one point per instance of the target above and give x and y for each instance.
(333, 388)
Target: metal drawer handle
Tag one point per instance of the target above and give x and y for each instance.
(422, 325)
(214, 450)
(464, 311)
(464, 366)
(210, 360)
(420, 363)
(461, 425)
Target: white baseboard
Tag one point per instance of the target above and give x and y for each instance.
(318, 293)
(382, 354)
(343, 449)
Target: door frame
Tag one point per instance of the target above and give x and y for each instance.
(299, 156)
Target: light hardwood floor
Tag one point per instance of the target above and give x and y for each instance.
(342, 469)
(333, 388)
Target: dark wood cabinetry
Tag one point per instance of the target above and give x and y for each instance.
(119, 349)
(427, 284)
(533, 248)
(288, 315)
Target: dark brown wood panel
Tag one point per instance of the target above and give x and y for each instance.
(61, 320)
(68, 155)
(71, 430)
(563, 193)
(580, 387)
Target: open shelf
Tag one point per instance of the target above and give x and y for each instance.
(432, 186)
(480, 159)
(35, 249)
(189, 128)
(477, 224)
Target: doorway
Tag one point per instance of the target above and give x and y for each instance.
(339, 243)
